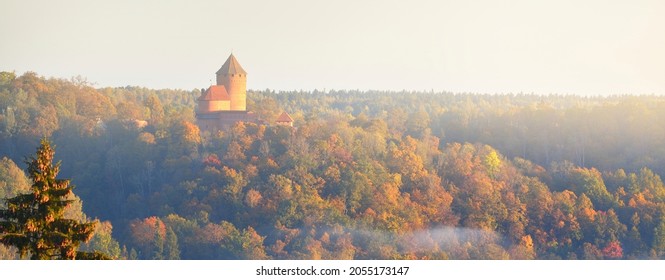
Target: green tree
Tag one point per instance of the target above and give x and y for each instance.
(34, 223)
(155, 109)
(492, 162)
(103, 242)
(6, 78)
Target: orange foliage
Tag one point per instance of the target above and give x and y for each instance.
(613, 250)
(145, 231)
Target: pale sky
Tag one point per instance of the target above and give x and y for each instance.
(594, 47)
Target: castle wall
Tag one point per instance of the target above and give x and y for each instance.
(208, 106)
(207, 124)
(285, 123)
(222, 120)
(236, 86)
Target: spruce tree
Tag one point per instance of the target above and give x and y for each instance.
(34, 222)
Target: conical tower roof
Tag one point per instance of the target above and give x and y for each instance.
(231, 66)
(284, 117)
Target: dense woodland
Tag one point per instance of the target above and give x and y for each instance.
(363, 175)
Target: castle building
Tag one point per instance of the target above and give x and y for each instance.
(223, 104)
(284, 119)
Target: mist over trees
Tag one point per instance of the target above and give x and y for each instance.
(363, 175)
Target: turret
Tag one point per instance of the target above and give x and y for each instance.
(234, 79)
(214, 99)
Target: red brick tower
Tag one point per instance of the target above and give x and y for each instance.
(234, 79)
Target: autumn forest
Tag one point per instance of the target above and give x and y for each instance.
(361, 175)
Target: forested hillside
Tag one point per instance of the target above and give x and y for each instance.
(362, 175)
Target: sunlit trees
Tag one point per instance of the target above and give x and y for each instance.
(102, 241)
(153, 240)
(12, 180)
(363, 174)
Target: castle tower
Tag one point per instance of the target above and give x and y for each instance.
(234, 79)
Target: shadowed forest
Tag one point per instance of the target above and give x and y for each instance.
(361, 175)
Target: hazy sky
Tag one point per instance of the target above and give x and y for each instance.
(567, 47)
